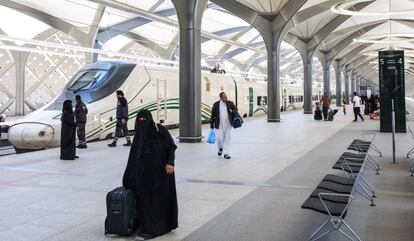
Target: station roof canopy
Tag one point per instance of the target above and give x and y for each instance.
(346, 34)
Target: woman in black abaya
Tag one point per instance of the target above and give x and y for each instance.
(67, 133)
(150, 174)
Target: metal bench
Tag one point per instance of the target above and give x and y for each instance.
(334, 194)
(335, 205)
(368, 139)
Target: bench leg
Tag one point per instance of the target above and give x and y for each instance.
(352, 231)
(336, 223)
(369, 186)
(373, 166)
(365, 194)
(372, 161)
(317, 231)
(411, 151)
(376, 149)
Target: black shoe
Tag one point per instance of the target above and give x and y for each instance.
(227, 156)
(113, 144)
(128, 143)
(84, 146)
(362, 120)
(76, 157)
(79, 146)
(354, 121)
(220, 152)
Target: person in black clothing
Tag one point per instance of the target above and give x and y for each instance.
(150, 174)
(121, 119)
(81, 112)
(222, 121)
(67, 133)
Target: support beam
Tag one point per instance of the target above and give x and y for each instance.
(358, 85)
(326, 65)
(346, 97)
(19, 60)
(189, 14)
(352, 83)
(307, 82)
(338, 84)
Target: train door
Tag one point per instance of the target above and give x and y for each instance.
(161, 100)
(251, 101)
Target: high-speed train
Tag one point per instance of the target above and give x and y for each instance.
(153, 87)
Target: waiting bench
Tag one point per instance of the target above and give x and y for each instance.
(334, 194)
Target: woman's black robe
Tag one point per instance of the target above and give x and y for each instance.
(67, 133)
(145, 174)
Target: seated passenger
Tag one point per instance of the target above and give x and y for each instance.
(150, 174)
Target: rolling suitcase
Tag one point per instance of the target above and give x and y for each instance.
(331, 115)
(120, 207)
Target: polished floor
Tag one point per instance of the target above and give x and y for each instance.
(254, 196)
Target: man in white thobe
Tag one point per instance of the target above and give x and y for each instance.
(222, 122)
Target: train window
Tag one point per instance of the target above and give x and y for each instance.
(291, 99)
(261, 100)
(301, 98)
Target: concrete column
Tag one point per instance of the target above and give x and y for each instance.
(346, 97)
(273, 79)
(307, 83)
(352, 83)
(189, 14)
(358, 85)
(20, 60)
(338, 87)
(326, 79)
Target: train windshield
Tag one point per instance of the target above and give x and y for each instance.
(94, 82)
(89, 79)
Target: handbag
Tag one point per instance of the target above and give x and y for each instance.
(237, 120)
(211, 139)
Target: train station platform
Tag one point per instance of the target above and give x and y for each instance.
(257, 195)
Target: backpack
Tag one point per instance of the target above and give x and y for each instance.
(317, 114)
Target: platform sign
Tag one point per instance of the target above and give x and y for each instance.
(392, 87)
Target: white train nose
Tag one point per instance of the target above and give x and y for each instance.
(32, 136)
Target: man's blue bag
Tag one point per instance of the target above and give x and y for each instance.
(237, 120)
(211, 137)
